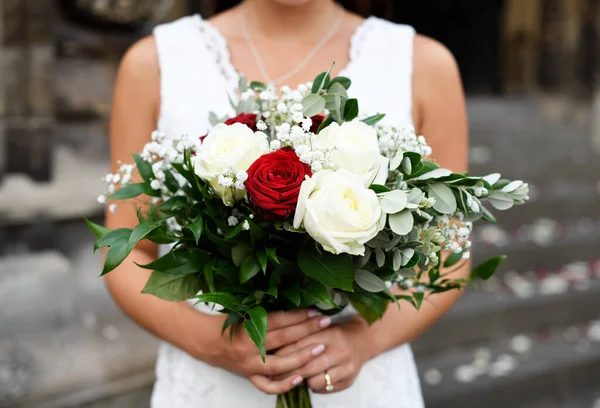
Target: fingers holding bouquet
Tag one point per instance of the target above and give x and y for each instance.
(277, 374)
(338, 366)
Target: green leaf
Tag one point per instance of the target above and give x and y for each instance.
(369, 281)
(98, 230)
(345, 82)
(350, 110)
(231, 320)
(370, 306)
(414, 261)
(394, 201)
(144, 168)
(196, 228)
(326, 122)
(141, 232)
(258, 86)
(249, 268)
(171, 182)
(262, 257)
(425, 167)
(373, 120)
(402, 223)
(227, 300)
(379, 188)
(445, 202)
(180, 262)
(333, 271)
(134, 190)
(320, 293)
(111, 237)
(272, 254)
(256, 233)
(418, 297)
(453, 259)
(256, 327)
(240, 252)
(171, 287)
(321, 82)
(116, 255)
(293, 294)
(209, 275)
(486, 269)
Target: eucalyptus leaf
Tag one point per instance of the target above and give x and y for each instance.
(313, 105)
(345, 82)
(500, 200)
(171, 287)
(379, 257)
(338, 89)
(320, 82)
(397, 260)
(402, 223)
(445, 202)
(407, 255)
(406, 166)
(434, 174)
(373, 120)
(492, 178)
(369, 281)
(488, 216)
(379, 188)
(394, 201)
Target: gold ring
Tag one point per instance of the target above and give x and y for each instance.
(329, 386)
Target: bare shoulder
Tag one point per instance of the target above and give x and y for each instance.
(141, 59)
(435, 76)
(432, 60)
(138, 79)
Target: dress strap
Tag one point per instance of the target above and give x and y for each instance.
(381, 66)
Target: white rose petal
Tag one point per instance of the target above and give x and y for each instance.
(225, 148)
(355, 148)
(339, 212)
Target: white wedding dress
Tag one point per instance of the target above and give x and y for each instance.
(196, 77)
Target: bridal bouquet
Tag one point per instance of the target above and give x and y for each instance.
(301, 202)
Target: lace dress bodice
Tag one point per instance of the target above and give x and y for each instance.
(197, 77)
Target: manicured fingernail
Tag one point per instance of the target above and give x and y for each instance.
(313, 313)
(318, 350)
(325, 322)
(296, 381)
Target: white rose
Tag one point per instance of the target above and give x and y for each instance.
(355, 148)
(234, 147)
(339, 212)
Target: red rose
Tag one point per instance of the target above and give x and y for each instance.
(316, 122)
(248, 119)
(274, 182)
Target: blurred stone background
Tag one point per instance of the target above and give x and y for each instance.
(529, 338)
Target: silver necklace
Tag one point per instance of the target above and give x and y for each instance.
(259, 60)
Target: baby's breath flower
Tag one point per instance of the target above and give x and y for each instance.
(112, 208)
(246, 225)
(232, 221)
(101, 199)
(275, 145)
(155, 184)
(261, 125)
(225, 181)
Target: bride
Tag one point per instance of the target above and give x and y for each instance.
(186, 69)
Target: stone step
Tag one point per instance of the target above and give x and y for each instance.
(554, 372)
(37, 292)
(75, 366)
(484, 315)
(545, 254)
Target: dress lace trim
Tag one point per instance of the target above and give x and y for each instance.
(217, 45)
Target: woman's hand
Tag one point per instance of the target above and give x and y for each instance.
(241, 356)
(345, 352)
